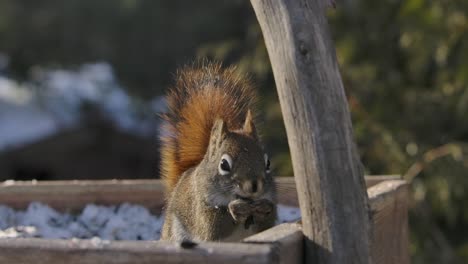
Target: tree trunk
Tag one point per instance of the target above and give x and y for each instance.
(328, 173)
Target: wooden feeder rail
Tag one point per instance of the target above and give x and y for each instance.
(280, 244)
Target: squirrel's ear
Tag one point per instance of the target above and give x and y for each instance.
(218, 133)
(249, 127)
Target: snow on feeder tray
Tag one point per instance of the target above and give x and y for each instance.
(63, 201)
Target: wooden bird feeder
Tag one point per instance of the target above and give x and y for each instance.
(341, 221)
(280, 244)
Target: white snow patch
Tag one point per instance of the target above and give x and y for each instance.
(13, 92)
(22, 124)
(52, 101)
(287, 214)
(122, 222)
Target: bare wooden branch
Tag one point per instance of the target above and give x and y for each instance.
(287, 240)
(328, 172)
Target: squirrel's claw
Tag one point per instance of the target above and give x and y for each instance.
(259, 210)
(240, 210)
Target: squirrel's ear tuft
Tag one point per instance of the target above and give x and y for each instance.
(249, 127)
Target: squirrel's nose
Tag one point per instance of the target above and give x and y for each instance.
(252, 187)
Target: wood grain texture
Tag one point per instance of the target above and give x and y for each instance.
(72, 196)
(287, 192)
(328, 173)
(388, 200)
(39, 251)
(287, 240)
(389, 205)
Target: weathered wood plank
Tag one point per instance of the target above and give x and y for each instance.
(376, 179)
(388, 201)
(287, 193)
(39, 251)
(327, 169)
(287, 240)
(74, 195)
(389, 205)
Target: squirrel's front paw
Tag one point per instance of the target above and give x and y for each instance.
(262, 209)
(240, 210)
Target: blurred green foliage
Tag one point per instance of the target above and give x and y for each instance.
(405, 68)
(404, 65)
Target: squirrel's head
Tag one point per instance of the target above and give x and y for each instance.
(236, 165)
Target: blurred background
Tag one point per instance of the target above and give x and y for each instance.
(81, 84)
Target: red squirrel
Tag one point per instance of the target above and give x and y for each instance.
(216, 174)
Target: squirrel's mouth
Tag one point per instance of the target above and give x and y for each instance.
(239, 194)
(247, 199)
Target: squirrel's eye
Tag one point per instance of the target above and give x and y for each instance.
(267, 163)
(225, 164)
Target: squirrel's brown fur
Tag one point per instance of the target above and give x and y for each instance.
(218, 182)
(194, 103)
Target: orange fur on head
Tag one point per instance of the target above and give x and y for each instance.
(200, 96)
